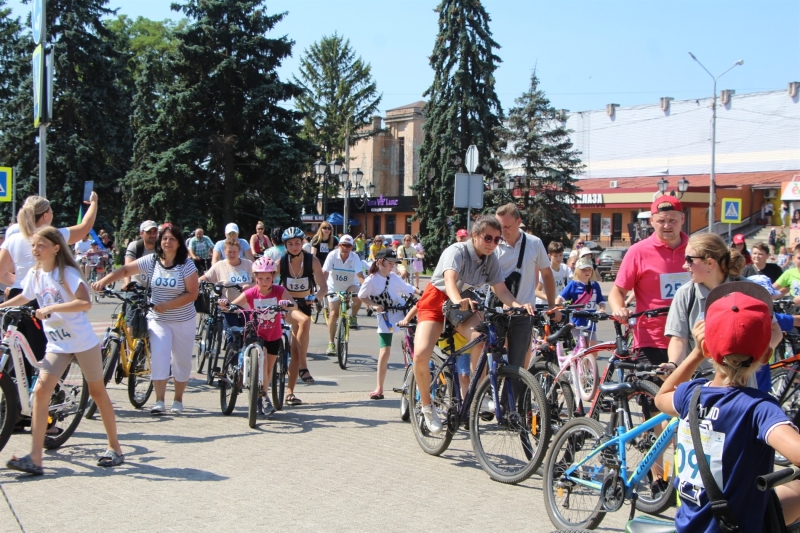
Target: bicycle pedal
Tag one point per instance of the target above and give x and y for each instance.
(399, 391)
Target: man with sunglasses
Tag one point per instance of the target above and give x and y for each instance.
(144, 245)
(653, 270)
(522, 277)
(344, 270)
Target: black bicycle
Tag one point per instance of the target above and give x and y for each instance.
(209, 334)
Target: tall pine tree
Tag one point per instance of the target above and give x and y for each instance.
(463, 109)
(539, 145)
(215, 142)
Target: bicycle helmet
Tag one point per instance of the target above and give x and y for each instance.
(293, 233)
(265, 264)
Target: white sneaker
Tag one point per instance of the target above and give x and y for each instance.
(177, 407)
(158, 409)
(432, 420)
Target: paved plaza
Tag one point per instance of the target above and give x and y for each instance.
(340, 462)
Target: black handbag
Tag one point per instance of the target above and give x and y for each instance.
(138, 322)
(513, 280)
(202, 303)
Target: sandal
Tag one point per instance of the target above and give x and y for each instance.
(376, 395)
(293, 400)
(305, 375)
(25, 464)
(110, 458)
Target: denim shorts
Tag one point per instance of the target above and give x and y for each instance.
(462, 364)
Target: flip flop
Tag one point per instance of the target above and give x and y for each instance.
(110, 458)
(375, 395)
(25, 464)
(305, 375)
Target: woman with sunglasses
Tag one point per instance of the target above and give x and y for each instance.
(259, 241)
(470, 263)
(406, 253)
(710, 263)
(324, 242)
(375, 247)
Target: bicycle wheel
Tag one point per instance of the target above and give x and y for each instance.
(405, 413)
(279, 376)
(229, 382)
(251, 359)
(558, 393)
(568, 503)
(510, 449)
(214, 347)
(67, 404)
(140, 384)
(9, 407)
(110, 359)
(443, 400)
(317, 312)
(342, 339)
(788, 395)
(587, 377)
(200, 354)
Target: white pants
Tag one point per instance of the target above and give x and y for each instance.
(171, 342)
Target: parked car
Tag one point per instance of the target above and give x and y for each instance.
(609, 261)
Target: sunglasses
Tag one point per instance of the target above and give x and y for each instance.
(489, 239)
(345, 245)
(689, 259)
(326, 229)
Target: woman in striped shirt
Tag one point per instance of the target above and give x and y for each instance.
(171, 321)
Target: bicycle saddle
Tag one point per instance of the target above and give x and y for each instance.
(645, 524)
(616, 388)
(236, 329)
(560, 334)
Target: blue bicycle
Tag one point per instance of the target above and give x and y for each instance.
(587, 472)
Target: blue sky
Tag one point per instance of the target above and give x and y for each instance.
(587, 53)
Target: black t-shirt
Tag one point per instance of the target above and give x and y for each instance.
(771, 270)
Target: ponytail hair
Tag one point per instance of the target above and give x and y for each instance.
(30, 213)
(64, 257)
(711, 246)
(373, 268)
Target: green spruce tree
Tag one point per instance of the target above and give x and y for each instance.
(462, 109)
(545, 165)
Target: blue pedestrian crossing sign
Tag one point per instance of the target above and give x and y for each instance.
(731, 211)
(6, 181)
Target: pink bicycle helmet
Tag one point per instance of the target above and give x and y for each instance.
(265, 264)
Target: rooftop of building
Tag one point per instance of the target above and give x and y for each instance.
(771, 179)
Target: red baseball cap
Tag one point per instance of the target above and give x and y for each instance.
(738, 239)
(666, 203)
(462, 233)
(738, 321)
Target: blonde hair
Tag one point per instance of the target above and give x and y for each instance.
(733, 370)
(233, 242)
(30, 213)
(64, 258)
(260, 224)
(711, 246)
(576, 276)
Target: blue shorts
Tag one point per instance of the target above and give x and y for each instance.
(462, 365)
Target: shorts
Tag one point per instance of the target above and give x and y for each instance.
(335, 298)
(303, 306)
(90, 361)
(385, 340)
(429, 307)
(655, 356)
(462, 365)
(271, 347)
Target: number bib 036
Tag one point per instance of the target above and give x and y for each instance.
(670, 283)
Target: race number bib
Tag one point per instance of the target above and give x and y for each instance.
(239, 277)
(686, 459)
(56, 331)
(795, 288)
(166, 278)
(343, 276)
(670, 283)
(297, 284)
(323, 248)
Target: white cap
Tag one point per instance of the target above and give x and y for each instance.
(583, 252)
(346, 239)
(584, 262)
(147, 225)
(231, 228)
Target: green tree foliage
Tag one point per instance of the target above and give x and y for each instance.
(545, 165)
(138, 37)
(213, 144)
(337, 88)
(462, 109)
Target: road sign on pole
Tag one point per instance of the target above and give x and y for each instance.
(469, 191)
(37, 20)
(38, 86)
(6, 183)
(471, 160)
(731, 211)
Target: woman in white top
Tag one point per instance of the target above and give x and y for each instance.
(56, 284)
(171, 322)
(16, 258)
(233, 270)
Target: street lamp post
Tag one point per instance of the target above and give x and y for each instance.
(344, 179)
(713, 138)
(324, 171)
(365, 193)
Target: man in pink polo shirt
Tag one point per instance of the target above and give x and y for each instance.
(653, 269)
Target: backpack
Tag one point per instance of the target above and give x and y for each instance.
(139, 248)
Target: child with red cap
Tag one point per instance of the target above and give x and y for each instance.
(741, 427)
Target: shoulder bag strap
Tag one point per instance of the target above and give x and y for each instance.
(521, 252)
(719, 505)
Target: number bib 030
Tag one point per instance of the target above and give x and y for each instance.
(166, 279)
(670, 283)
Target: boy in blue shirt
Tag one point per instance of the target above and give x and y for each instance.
(741, 426)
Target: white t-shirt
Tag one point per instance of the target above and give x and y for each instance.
(562, 277)
(19, 248)
(66, 332)
(374, 288)
(342, 274)
(81, 247)
(224, 272)
(168, 283)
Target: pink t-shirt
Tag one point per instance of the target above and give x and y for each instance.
(654, 272)
(269, 330)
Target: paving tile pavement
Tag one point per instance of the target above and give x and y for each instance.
(337, 463)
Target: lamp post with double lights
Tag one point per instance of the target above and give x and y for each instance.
(365, 193)
(324, 173)
(683, 186)
(713, 138)
(344, 179)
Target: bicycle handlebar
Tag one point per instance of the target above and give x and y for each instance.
(592, 317)
(772, 480)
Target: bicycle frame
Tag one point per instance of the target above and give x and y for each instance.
(20, 350)
(622, 438)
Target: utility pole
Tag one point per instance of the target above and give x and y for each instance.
(346, 184)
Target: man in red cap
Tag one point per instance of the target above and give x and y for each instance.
(653, 270)
(739, 244)
(462, 235)
(740, 427)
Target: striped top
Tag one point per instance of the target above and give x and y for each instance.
(166, 284)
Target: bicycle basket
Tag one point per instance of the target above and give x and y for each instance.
(138, 323)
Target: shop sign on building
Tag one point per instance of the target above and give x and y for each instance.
(387, 204)
(311, 218)
(589, 199)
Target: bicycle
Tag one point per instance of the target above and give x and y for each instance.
(124, 356)
(19, 371)
(209, 334)
(507, 408)
(785, 376)
(99, 268)
(342, 326)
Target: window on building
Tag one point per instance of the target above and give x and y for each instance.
(616, 226)
(595, 228)
(401, 166)
(408, 224)
(391, 224)
(376, 225)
